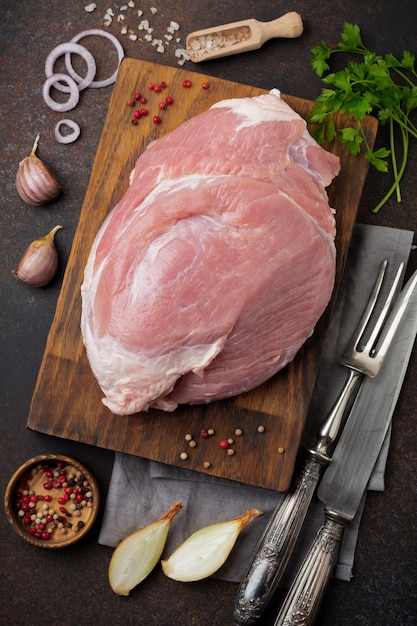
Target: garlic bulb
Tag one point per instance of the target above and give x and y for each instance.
(205, 551)
(39, 263)
(34, 182)
(136, 556)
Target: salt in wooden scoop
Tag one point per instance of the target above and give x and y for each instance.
(219, 41)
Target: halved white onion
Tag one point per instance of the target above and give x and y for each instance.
(69, 138)
(67, 49)
(101, 33)
(74, 95)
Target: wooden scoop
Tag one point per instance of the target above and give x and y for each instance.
(237, 37)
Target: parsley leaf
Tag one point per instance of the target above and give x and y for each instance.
(385, 86)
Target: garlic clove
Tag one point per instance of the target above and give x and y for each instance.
(206, 550)
(39, 263)
(34, 182)
(136, 556)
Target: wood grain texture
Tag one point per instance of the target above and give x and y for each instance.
(67, 399)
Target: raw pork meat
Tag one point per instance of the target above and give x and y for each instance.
(217, 263)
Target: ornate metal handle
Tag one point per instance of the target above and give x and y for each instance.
(280, 536)
(303, 600)
(275, 547)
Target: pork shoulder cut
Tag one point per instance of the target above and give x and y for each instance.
(215, 266)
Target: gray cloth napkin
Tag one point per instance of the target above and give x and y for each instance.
(141, 490)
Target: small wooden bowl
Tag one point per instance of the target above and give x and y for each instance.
(63, 528)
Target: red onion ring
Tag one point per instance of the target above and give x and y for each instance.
(67, 138)
(67, 48)
(74, 92)
(101, 33)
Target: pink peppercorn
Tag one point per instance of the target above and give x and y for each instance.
(224, 443)
(130, 102)
(204, 434)
(162, 105)
(205, 85)
(156, 119)
(143, 111)
(157, 88)
(136, 115)
(169, 99)
(187, 83)
(137, 96)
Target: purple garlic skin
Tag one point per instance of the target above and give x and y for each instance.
(34, 182)
(39, 263)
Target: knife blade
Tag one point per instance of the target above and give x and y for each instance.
(344, 483)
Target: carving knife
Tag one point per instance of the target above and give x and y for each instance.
(344, 482)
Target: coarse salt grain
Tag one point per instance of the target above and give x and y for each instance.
(213, 42)
(90, 7)
(153, 10)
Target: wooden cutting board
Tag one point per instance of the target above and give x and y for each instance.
(67, 399)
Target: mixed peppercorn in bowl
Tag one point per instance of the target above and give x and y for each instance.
(52, 501)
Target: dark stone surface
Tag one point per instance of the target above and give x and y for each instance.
(70, 586)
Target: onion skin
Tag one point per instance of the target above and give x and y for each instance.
(136, 556)
(206, 550)
(39, 263)
(34, 182)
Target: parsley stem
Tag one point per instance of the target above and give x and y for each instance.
(399, 174)
(394, 157)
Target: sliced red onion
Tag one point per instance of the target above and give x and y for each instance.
(67, 49)
(73, 136)
(101, 33)
(73, 97)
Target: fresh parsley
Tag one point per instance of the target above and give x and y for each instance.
(384, 86)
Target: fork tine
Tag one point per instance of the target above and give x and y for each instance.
(360, 329)
(385, 311)
(395, 317)
(363, 357)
